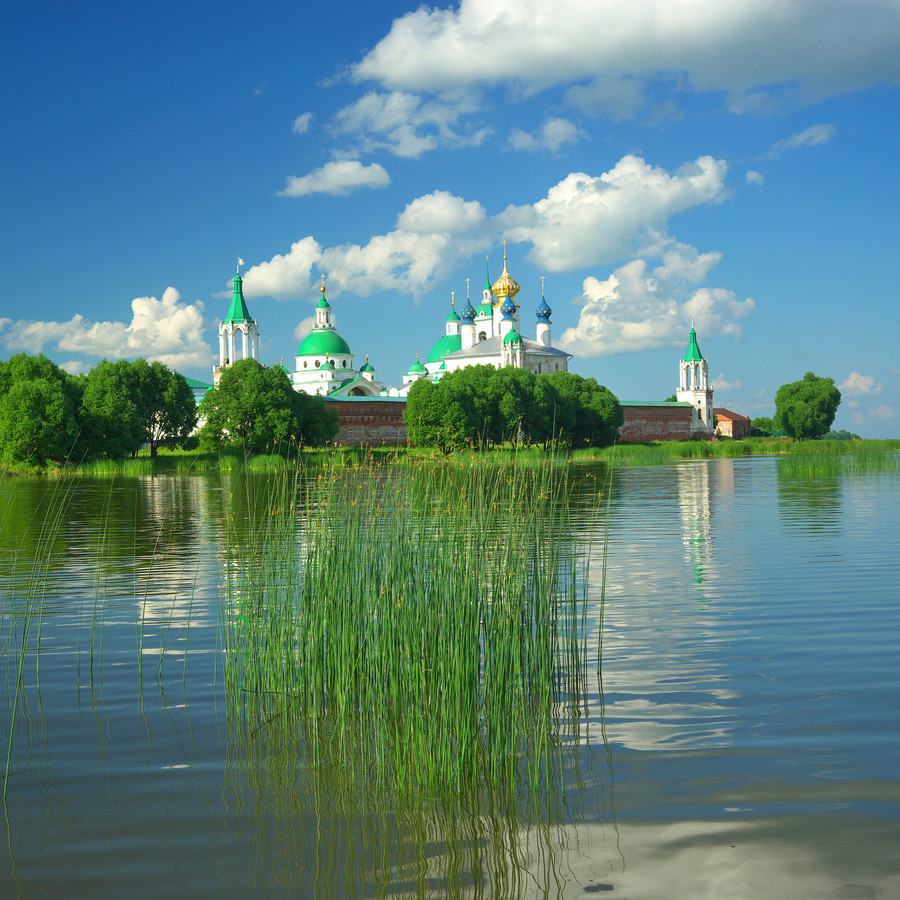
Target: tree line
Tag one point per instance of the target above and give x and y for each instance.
(49, 416)
(480, 406)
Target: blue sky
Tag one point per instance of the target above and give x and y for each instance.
(661, 163)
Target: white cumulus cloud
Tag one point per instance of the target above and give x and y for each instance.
(339, 178)
(553, 136)
(638, 308)
(589, 220)
(166, 330)
(758, 54)
(756, 178)
(856, 384)
(407, 125)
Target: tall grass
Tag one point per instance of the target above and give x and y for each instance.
(418, 626)
(22, 612)
(838, 457)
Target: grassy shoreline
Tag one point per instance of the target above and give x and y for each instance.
(807, 455)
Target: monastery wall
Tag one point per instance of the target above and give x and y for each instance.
(656, 423)
(367, 421)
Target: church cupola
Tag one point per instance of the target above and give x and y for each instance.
(467, 328)
(543, 319)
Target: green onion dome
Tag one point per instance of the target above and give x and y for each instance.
(417, 368)
(512, 337)
(322, 341)
(449, 343)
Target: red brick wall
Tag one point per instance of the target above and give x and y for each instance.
(656, 423)
(370, 421)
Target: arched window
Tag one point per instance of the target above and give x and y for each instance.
(305, 363)
(318, 364)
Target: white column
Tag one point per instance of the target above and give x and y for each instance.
(244, 343)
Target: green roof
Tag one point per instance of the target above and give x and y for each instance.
(195, 385)
(321, 341)
(512, 337)
(449, 343)
(693, 351)
(238, 311)
(323, 303)
(417, 367)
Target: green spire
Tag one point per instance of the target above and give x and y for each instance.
(238, 311)
(487, 272)
(693, 351)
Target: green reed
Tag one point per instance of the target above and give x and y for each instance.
(22, 615)
(839, 457)
(421, 623)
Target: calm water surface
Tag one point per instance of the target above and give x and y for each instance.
(741, 742)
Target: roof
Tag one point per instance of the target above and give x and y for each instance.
(322, 341)
(449, 343)
(675, 403)
(512, 337)
(195, 385)
(238, 311)
(693, 351)
(493, 345)
(723, 413)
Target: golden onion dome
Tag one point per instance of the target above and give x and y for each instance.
(504, 286)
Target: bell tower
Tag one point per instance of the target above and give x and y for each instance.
(693, 387)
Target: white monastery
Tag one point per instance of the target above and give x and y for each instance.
(488, 335)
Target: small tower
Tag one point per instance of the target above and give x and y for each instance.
(453, 319)
(467, 328)
(505, 288)
(543, 320)
(484, 317)
(237, 322)
(508, 312)
(693, 387)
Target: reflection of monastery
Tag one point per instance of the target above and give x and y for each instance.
(370, 412)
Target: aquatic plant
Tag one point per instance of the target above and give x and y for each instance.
(421, 624)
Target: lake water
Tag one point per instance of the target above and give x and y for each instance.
(742, 740)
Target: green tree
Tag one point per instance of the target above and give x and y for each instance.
(805, 409)
(481, 405)
(166, 402)
(763, 423)
(255, 408)
(112, 415)
(38, 411)
(596, 411)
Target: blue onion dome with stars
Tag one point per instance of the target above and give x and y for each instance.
(468, 314)
(543, 311)
(508, 308)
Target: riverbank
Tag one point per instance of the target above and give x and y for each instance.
(820, 455)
